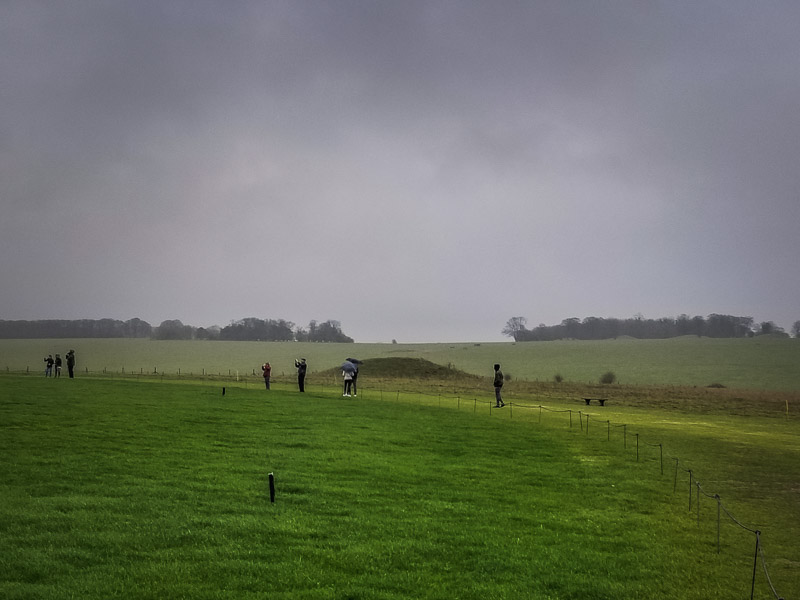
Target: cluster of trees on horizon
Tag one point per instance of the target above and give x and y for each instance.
(598, 328)
(248, 329)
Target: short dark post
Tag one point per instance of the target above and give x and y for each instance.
(271, 488)
(755, 564)
(697, 483)
(223, 390)
(719, 502)
(675, 482)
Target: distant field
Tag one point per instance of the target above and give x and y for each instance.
(758, 363)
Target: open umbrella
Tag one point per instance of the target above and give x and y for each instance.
(349, 367)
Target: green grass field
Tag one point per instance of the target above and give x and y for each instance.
(140, 489)
(761, 363)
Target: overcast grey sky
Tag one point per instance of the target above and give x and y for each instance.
(418, 171)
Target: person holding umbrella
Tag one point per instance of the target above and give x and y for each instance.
(349, 371)
(355, 362)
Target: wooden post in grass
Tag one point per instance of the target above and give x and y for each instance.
(697, 483)
(755, 564)
(272, 488)
(675, 481)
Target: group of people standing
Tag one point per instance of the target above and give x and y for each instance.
(52, 366)
(349, 375)
(300, 365)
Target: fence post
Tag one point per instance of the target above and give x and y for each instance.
(690, 490)
(719, 503)
(755, 563)
(697, 483)
(675, 482)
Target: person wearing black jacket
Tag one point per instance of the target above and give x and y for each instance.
(71, 363)
(498, 385)
(301, 373)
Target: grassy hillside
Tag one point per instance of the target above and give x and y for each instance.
(757, 363)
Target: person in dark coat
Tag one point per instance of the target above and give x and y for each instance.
(48, 365)
(301, 373)
(498, 385)
(58, 365)
(355, 362)
(71, 363)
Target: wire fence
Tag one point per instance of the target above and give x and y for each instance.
(576, 418)
(581, 419)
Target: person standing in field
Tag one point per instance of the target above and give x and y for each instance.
(71, 363)
(48, 365)
(355, 362)
(301, 373)
(498, 385)
(348, 382)
(266, 369)
(58, 365)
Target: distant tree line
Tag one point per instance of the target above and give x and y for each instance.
(249, 329)
(598, 328)
(81, 328)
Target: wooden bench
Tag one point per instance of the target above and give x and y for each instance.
(602, 401)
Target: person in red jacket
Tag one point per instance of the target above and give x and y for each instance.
(266, 370)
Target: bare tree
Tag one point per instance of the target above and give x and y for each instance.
(515, 327)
